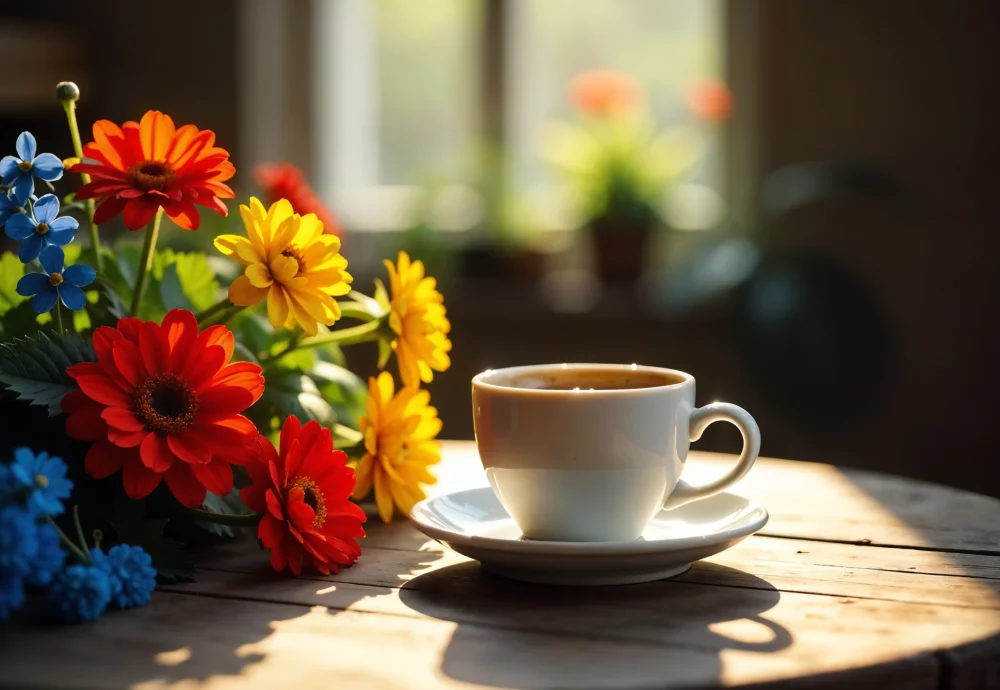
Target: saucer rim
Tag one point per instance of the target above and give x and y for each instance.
(581, 548)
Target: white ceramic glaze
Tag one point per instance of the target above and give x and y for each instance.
(595, 465)
(475, 524)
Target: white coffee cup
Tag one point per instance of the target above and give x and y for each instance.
(591, 452)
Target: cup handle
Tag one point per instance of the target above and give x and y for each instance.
(700, 419)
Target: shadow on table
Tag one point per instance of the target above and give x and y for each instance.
(592, 637)
(216, 627)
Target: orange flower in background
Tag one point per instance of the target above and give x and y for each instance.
(604, 93)
(143, 166)
(710, 100)
(304, 491)
(162, 402)
(285, 181)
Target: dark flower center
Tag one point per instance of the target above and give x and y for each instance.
(41, 481)
(313, 498)
(294, 253)
(151, 175)
(42, 228)
(55, 279)
(24, 166)
(165, 403)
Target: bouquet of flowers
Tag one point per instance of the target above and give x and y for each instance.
(189, 409)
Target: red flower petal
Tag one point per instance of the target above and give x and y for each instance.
(127, 439)
(216, 476)
(218, 335)
(153, 348)
(273, 506)
(121, 419)
(102, 389)
(128, 359)
(108, 209)
(185, 486)
(104, 459)
(243, 374)
(201, 369)
(129, 327)
(138, 212)
(189, 448)
(85, 424)
(181, 330)
(156, 454)
(220, 402)
(139, 480)
(278, 557)
(271, 531)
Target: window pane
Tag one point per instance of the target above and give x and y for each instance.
(427, 61)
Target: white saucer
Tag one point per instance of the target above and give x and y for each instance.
(474, 524)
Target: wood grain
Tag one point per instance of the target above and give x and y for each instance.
(802, 608)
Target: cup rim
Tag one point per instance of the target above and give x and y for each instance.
(481, 381)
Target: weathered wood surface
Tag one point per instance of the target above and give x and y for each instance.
(863, 581)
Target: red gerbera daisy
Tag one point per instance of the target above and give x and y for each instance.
(145, 165)
(304, 492)
(285, 181)
(163, 402)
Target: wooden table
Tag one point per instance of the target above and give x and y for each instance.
(859, 580)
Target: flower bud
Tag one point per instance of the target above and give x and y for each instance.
(67, 91)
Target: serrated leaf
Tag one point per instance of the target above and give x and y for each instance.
(172, 562)
(34, 368)
(11, 270)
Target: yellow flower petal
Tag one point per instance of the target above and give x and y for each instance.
(383, 495)
(363, 473)
(259, 276)
(242, 293)
(284, 268)
(277, 307)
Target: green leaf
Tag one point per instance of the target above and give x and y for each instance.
(197, 280)
(343, 390)
(11, 270)
(346, 437)
(291, 392)
(384, 352)
(34, 368)
(172, 563)
(109, 307)
(230, 504)
(19, 322)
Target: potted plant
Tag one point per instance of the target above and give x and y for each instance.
(618, 166)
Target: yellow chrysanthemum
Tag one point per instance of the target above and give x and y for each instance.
(290, 262)
(419, 321)
(399, 432)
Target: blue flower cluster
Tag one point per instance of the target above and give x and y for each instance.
(32, 490)
(36, 224)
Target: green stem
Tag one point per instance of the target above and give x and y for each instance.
(223, 519)
(207, 317)
(146, 260)
(68, 543)
(74, 133)
(364, 333)
(59, 318)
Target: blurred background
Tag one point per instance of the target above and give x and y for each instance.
(794, 200)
